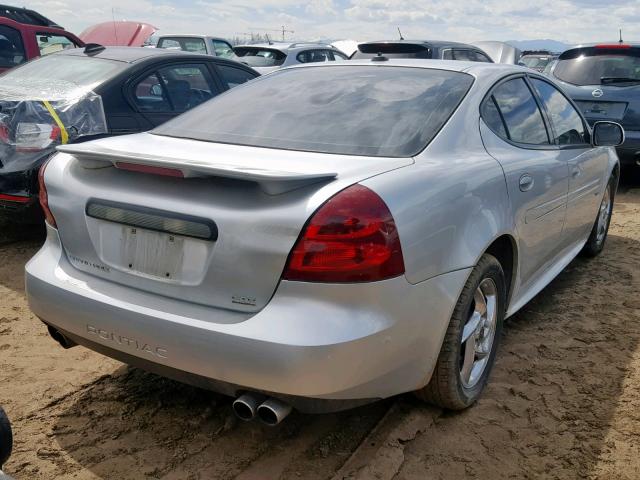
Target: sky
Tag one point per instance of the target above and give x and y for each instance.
(569, 21)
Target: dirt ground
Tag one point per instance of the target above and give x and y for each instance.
(563, 401)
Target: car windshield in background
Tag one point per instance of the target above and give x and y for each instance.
(393, 50)
(351, 110)
(535, 62)
(599, 66)
(259, 57)
(62, 73)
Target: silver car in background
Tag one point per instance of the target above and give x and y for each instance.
(326, 235)
(267, 57)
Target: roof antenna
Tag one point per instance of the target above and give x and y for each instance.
(401, 37)
(268, 39)
(620, 41)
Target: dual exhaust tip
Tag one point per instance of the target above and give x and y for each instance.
(269, 410)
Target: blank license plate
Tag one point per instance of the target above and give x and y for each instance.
(152, 253)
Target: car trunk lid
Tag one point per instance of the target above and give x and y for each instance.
(217, 234)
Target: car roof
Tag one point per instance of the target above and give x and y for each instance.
(285, 46)
(614, 43)
(191, 35)
(130, 54)
(430, 43)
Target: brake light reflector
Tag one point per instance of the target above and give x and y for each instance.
(43, 197)
(14, 198)
(615, 46)
(351, 238)
(137, 167)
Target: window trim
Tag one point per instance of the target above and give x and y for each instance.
(545, 120)
(585, 124)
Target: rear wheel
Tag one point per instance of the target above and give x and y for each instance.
(600, 230)
(6, 438)
(469, 348)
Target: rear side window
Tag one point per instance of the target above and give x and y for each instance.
(393, 50)
(350, 110)
(11, 47)
(52, 43)
(233, 76)
(150, 96)
(186, 85)
(599, 66)
(567, 123)
(522, 119)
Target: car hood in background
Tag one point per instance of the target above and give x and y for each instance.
(120, 33)
(500, 52)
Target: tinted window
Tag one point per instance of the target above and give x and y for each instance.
(11, 48)
(523, 119)
(595, 66)
(447, 54)
(464, 55)
(492, 117)
(481, 57)
(392, 50)
(567, 123)
(222, 49)
(362, 110)
(150, 96)
(314, 56)
(259, 57)
(52, 43)
(234, 76)
(188, 44)
(186, 85)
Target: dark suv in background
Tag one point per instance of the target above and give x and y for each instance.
(604, 80)
(421, 49)
(25, 34)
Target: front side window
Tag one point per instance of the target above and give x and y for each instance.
(567, 123)
(11, 47)
(52, 43)
(350, 110)
(523, 121)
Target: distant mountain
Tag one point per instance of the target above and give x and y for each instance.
(551, 45)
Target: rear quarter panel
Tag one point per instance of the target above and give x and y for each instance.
(452, 203)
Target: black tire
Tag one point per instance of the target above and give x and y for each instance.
(6, 438)
(446, 388)
(595, 243)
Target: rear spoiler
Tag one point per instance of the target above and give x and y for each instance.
(272, 182)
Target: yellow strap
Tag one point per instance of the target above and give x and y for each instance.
(56, 118)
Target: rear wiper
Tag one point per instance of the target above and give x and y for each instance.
(607, 80)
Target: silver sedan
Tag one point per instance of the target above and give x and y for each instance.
(326, 236)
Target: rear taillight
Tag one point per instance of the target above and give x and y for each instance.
(153, 170)
(42, 195)
(351, 238)
(32, 137)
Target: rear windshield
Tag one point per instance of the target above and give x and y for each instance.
(188, 44)
(259, 57)
(351, 110)
(60, 76)
(599, 66)
(535, 62)
(393, 50)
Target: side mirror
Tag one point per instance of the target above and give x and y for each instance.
(607, 134)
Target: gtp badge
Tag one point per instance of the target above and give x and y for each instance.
(597, 93)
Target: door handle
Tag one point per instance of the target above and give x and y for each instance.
(526, 182)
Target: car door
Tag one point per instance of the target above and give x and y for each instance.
(515, 132)
(166, 91)
(586, 164)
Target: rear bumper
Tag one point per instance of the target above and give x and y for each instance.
(319, 341)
